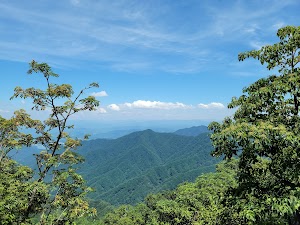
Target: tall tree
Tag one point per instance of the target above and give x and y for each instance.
(264, 133)
(55, 193)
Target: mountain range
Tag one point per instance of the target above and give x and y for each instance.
(126, 169)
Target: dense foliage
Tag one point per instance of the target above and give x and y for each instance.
(53, 193)
(264, 133)
(190, 203)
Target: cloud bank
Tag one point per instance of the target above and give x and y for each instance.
(146, 104)
(142, 104)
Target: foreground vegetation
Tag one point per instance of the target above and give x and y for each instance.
(53, 193)
(262, 186)
(264, 133)
(190, 203)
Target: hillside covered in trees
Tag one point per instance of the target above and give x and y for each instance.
(125, 170)
(190, 203)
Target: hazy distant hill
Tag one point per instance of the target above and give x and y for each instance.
(97, 133)
(126, 169)
(192, 131)
(25, 156)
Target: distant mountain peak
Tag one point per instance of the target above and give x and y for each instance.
(147, 131)
(192, 131)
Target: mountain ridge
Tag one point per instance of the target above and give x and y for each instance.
(132, 166)
(192, 131)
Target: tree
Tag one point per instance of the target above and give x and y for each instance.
(55, 194)
(264, 134)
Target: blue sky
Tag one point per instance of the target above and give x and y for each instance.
(153, 59)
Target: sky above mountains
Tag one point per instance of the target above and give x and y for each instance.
(154, 60)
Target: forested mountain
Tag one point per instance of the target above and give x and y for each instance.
(125, 170)
(192, 131)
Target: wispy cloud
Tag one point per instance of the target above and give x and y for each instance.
(129, 37)
(75, 2)
(241, 16)
(4, 111)
(99, 94)
(213, 105)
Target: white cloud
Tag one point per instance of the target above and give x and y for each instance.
(114, 107)
(156, 110)
(101, 110)
(99, 94)
(142, 104)
(4, 111)
(117, 33)
(212, 105)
